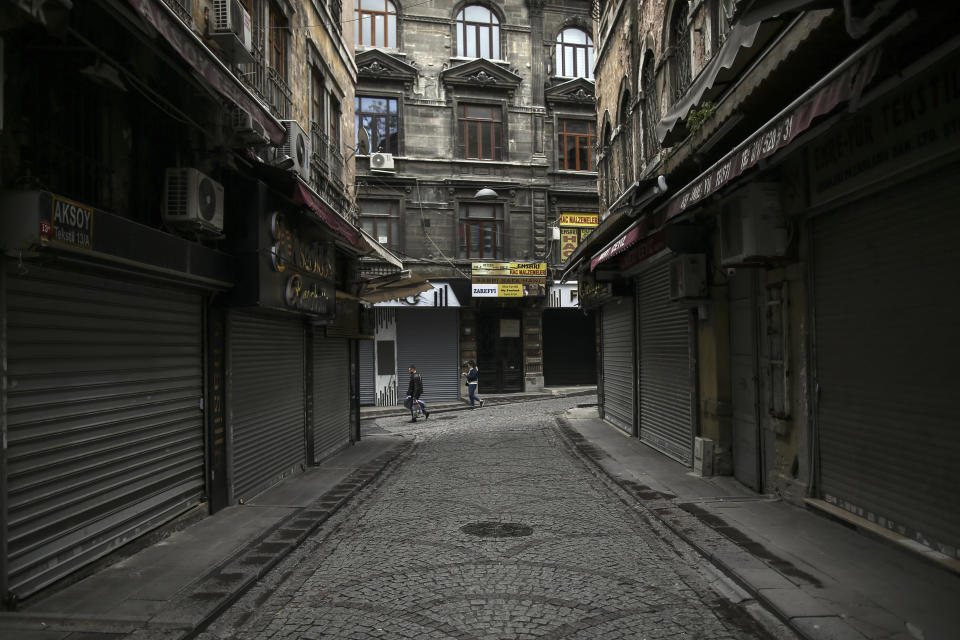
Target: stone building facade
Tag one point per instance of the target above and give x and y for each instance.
(774, 183)
(180, 266)
(453, 100)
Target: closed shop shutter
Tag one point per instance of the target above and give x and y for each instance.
(266, 403)
(618, 364)
(569, 347)
(331, 395)
(427, 338)
(368, 393)
(105, 431)
(666, 390)
(887, 298)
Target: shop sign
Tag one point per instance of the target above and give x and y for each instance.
(579, 220)
(644, 250)
(494, 280)
(569, 239)
(917, 122)
(593, 294)
(509, 269)
(513, 290)
(306, 268)
(70, 223)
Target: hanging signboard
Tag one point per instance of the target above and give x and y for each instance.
(509, 279)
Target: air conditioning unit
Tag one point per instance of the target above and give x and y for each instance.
(381, 162)
(296, 144)
(753, 227)
(231, 30)
(688, 277)
(247, 132)
(192, 201)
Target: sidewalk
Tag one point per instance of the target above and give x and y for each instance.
(178, 585)
(825, 579)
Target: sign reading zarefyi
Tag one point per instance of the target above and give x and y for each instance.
(509, 279)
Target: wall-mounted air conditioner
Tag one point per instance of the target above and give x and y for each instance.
(247, 132)
(752, 225)
(381, 162)
(296, 144)
(192, 201)
(230, 29)
(688, 277)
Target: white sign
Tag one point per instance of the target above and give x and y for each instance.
(486, 291)
(441, 295)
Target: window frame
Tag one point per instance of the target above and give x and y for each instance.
(390, 10)
(498, 152)
(277, 39)
(497, 223)
(681, 63)
(358, 97)
(590, 138)
(494, 40)
(648, 85)
(560, 54)
(391, 219)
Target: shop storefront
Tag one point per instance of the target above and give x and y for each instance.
(104, 382)
(569, 339)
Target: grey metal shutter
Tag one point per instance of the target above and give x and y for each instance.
(105, 430)
(368, 379)
(427, 338)
(666, 398)
(887, 299)
(618, 363)
(331, 395)
(266, 402)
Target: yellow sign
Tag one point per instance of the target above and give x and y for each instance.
(569, 239)
(511, 290)
(579, 220)
(506, 269)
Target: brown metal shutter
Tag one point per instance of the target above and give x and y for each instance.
(666, 387)
(618, 363)
(266, 400)
(331, 395)
(105, 427)
(887, 299)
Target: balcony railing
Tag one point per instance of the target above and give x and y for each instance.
(183, 9)
(279, 96)
(336, 164)
(318, 160)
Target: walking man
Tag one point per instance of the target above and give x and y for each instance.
(414, 391)
(473, 378)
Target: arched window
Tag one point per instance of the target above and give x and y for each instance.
(680, 41)
(625, 122)
(648, 85)
(478, 33)
(606, 166)
(375, 23)
(574, 54)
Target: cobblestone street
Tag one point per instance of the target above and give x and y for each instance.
(560, 553)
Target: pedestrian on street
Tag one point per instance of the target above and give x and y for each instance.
(473, 378)
(414, 391)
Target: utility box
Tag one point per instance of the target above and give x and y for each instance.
(703, 457)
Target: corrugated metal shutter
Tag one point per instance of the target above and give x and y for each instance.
(887, 296)
(427, 338)
(666, 402)
(618, 364)
(105, 429)
(368, 380)
(331, 395)
(266, 403)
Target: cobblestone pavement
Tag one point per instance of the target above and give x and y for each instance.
(396, 563)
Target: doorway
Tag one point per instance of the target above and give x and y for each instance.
(500, 351)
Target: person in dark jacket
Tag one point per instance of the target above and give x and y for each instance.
(414, 391)
(473, 379)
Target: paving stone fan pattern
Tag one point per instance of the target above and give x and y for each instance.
(399, 564)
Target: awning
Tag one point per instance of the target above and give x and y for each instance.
(630, 236)
(378, 250)
(303, 196)
(393, 287)
(206, 64)
(844, 83)
(440, 294)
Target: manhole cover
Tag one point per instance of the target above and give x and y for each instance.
(497, 529)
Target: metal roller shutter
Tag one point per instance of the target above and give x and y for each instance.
(887, 298)
(666, 399)
(266, 400)
(331, 395)
(618, 362)
(105, 431)
(427, 338)
(368, 391)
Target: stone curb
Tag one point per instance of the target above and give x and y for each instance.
(195, 609)
(809, 618)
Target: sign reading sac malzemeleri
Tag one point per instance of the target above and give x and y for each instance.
(579, 220)
(509, 279)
